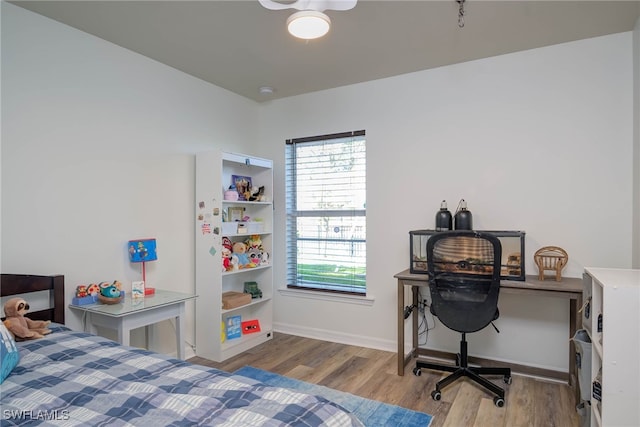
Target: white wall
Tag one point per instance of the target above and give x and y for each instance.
(97, 149)
(539, 141)
(1, 104)
(636, 145)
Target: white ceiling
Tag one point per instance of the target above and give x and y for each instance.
(241, 46)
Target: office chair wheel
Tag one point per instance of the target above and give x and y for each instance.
(436, 395)
(498, 401)
(417, 372)
(508, 379)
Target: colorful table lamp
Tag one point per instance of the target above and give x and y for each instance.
(143, 250)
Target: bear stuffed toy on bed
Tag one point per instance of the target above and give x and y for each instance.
(20, 326)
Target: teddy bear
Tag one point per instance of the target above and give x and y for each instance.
(240, 254)
(20, 326)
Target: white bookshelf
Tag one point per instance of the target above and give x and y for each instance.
(615, 295)
(214, 171)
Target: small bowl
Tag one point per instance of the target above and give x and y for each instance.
(231, 195)
(107, 300)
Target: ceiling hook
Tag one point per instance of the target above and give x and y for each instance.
(461, 13)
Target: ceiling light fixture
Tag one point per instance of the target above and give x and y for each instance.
(308, 24)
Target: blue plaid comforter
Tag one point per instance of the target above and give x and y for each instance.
(77, 379)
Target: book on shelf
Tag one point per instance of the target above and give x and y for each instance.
(234, 327)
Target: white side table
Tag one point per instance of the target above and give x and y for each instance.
(133, 313)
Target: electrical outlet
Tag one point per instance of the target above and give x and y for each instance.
(407, 312)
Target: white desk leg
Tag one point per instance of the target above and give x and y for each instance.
(124, 333)
(150, 332)
(180, 333)
(92, 328)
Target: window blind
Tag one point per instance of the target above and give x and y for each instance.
(326, 212)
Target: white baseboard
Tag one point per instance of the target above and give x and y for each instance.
(189, 353)
(375, 343)
(337, 337)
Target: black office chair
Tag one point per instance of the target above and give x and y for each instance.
(464, 282)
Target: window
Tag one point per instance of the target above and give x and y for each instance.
(326, 213)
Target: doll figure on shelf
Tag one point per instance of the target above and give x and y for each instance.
(226, 259)
(226, 254)
(81, 291)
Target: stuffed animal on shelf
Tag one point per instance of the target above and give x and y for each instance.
(264, 258)
(254, 255)
(20, 326)
(256, 194)
(110, 292)
(107, 289)
(240, 254)
(93, 289)
(254, 242)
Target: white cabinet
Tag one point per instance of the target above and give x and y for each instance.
(215, 172)
(613, 325)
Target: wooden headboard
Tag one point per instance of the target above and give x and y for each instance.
(15, 284)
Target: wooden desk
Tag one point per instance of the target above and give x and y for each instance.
(568, 288)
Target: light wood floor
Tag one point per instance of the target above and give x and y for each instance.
(373, 374)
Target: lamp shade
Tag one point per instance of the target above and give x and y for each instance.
(142, 250)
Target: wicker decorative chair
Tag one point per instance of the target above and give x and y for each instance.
(550, 258)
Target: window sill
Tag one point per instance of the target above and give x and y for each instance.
(326, 296)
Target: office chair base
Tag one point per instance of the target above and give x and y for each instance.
(498, 401)
(462, 369)
(473, 373)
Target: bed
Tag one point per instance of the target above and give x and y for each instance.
(77, 379)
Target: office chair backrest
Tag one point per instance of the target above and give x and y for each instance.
(464, 278)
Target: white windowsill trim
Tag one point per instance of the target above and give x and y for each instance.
(328, 296)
